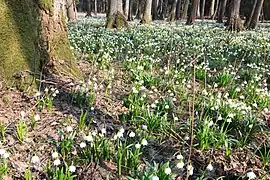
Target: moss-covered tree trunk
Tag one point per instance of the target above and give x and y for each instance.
(147, 15)
(234, 21)
(33, 38)
(115, 16)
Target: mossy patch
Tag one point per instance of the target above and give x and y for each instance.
(18, 34)
(46, 4)
(117, 20)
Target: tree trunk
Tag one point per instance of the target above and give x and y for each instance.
(164, 9)
(172, 11)
(178, 9)
(192, 14)
(234, 22)
(147, 17)
(203, 8)
(256, 15)
(154, 10)
(216, 10)
(199, 9)
(95, 7)
(130, 14)
(126, 10)
(139, 9)
(116, 18)
(88, 8)
(212, 8)
(247, 22)
(33, 38)
(71, 10)
(185, 10)
(222, 11)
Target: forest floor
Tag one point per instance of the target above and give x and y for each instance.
(149, 94)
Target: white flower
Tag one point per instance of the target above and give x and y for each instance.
(103, 130)
(231, 115)
(6, 155)
(53, 94)
(168, 171)
(144, 127)
(92, 108)
(175, 118)
(2, 152)
(179, 156)
(56, 162)
(88, 138)
(72, 168)
(210, 123)
(153, 105)
(167, 107)
(229, 120)
(180, 165)
(37, 117)
(82, 145)
(69, 129)
(135, 91)
(190, 169)
(204, 92)
(38, 94)
(242, 97)
(122, 130)
(251, 175)
(46, 90)
(131, 134)
(219, 118)
(56, 91)
(210, 167)
(155, 178)
(137, 146)
(237, 89)
(54, 155)
(144, 142)
(23, 114)
(35, 160)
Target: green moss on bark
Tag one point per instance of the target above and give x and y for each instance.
(46, 4)
(117, 20)
(18, 34)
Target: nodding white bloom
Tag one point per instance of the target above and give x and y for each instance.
(54, 155)
(82, 145)
(37, 117)
(210, 167)
(35, 160)
(38, 94)
(179, 156)
(155, 178)
(46, 90)
(69, 129)
(56, 162)
(229, 120)
(88, 138)
(92, 108)
(6, 155)
(238, 89)
(103, 131)
(167, 106)
(135, 91)
(175, 118)
(251, 175)
(2, 152)
(174, 99)
(72, 168)
(231, 115)
(242, 97)
(204, 92)
(144, 142)
(23, 114)
(219, 118)
(190, 169)
(94, 133)
(137, 146)
(56, 91)
(131, 134)
(180, 165)
(144, 127)
(167, 170)
(210, 123)
(153, 105)
(54, 94)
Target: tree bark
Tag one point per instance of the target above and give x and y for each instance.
(130, 14)
(192, 14)
(199, 9)
(235, 22)
(172, 11)
(139, 9)
(71, 10)
(154, 10)
(185, 10)
(212, 8)
(222, 11)
(126, 10)
(256, 15)
(203, 9)
(116, 18)
(88, 8)
(178, 9)
(216, 10)
(147, 17)
(95, 7)
(38, 42)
